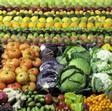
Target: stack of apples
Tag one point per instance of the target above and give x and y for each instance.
(20, 66)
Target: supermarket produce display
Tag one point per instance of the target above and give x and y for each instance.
(55, 55)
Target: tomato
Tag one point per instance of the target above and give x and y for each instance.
(48, 99)
(13, 62)
(2, 85)
(26, 62)
(7, 76)
(5, 55)
(14, 53)
(37, 62)
(24, 46)
(14, 86)
(9, 67)
(34, 71)
(12, 45)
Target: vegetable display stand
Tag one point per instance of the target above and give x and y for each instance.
(55, 55)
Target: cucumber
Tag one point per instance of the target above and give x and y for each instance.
(29, 100)
(42, 109)
(28, 109)
(33, 109)
(37, 109)
(31, 104)
(24, 109)
(38, 104)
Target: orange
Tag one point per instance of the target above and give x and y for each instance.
(8, 24)
(32, 25)
(49, 24)
(24, 24)
(65, 25)
(40, 25)
(58, 25)
(15, 24)
(90, 25)
(74, 24)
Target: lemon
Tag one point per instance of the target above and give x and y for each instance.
(107, 47)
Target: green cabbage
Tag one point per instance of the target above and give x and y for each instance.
(82, 64)
(72, 81)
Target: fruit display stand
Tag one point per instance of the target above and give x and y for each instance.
(55, 55)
